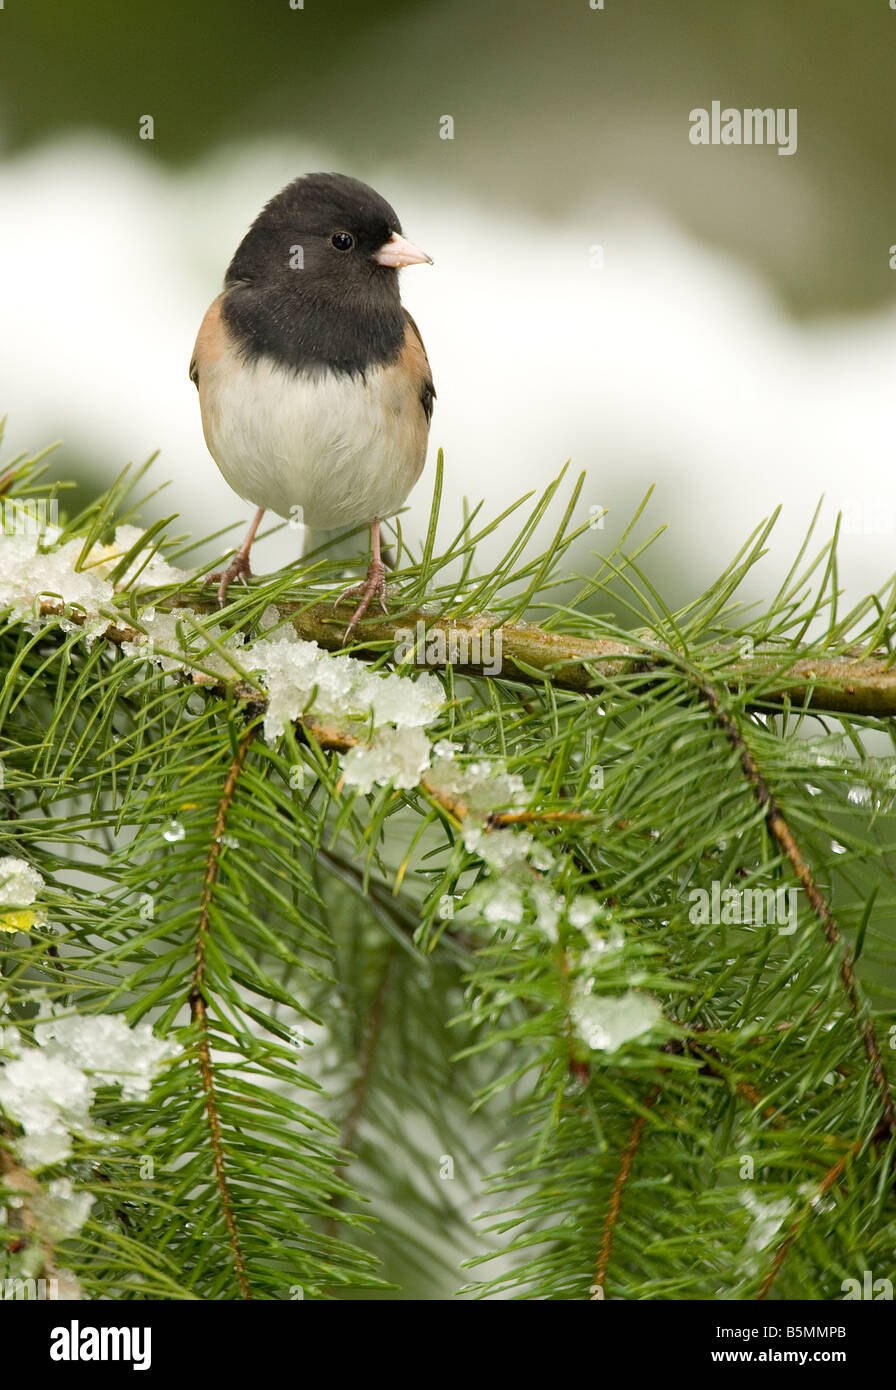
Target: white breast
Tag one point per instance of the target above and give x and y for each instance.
(343, 449)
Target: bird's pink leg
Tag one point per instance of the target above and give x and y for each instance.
(374, 584)
(239, 565)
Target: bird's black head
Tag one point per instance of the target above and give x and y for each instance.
(340, 232)
(314, 280)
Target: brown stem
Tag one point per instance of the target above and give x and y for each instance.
(712, 1067)
(784, 1248)
(781, 833)
(531, 655)
(622, 1176)
(199, 1011)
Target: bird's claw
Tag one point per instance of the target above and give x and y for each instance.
(374, 586)
(237, 569)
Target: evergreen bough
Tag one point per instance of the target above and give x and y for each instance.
(470, 1031)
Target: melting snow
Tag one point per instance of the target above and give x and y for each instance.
(19, 883)
(605, 1021)
(483, 785)
(301, 677)
(768, 1218)
(104, 1045)
(48, 1089)
(28, 575)
(398, 756)
(154, 574)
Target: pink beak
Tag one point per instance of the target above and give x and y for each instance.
(398, 251)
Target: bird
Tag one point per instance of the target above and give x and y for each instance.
(315, 390)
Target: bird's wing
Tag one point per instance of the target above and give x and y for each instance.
(211, 341)
(427, 389)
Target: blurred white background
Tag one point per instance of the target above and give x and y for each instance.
(731, 340)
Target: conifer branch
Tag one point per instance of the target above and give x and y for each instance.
(574, 944)
(199, 1010)
(372, 1028)
(774, 1117)
(531, 655)
(329, 737)
(712, 1068)
(615, 1205)
(782, 835)
(787, 1244)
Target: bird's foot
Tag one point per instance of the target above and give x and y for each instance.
(237, 569)
(374, 586)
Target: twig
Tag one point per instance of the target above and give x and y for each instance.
(622, 1176)
(531, 655)
(199, 1010)
(714, 1067)
(826, 1184)
(781, 833)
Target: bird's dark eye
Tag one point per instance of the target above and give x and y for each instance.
(343, 241)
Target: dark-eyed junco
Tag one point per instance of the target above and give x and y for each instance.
(314, 385)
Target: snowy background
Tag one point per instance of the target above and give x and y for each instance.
(732, 339)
